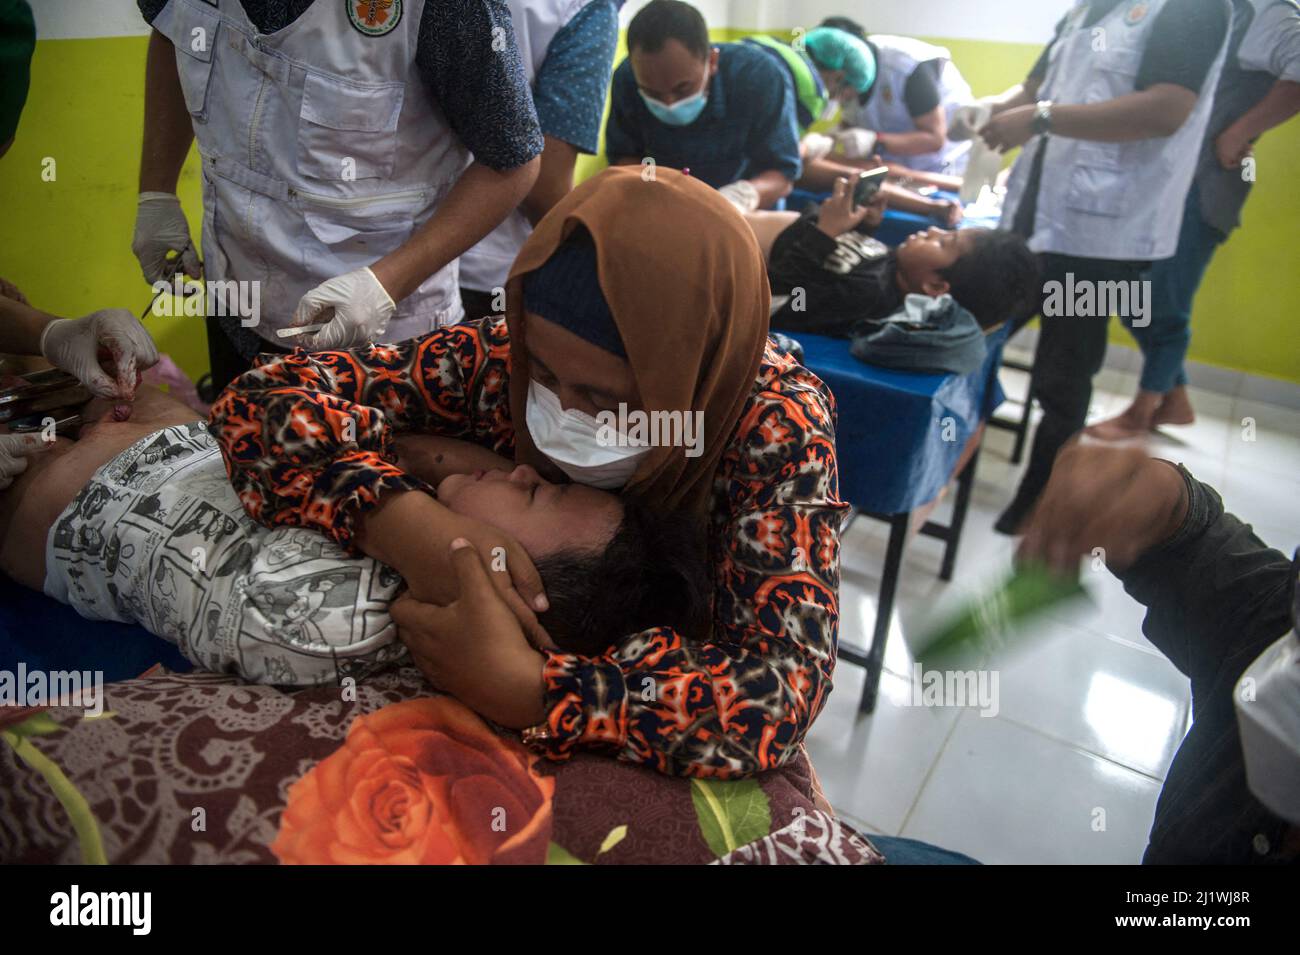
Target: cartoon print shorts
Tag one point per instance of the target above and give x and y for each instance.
(158, 537)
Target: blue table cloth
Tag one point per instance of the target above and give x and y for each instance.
(900, 434)
(47, 635)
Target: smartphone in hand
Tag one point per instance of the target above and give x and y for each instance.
(868, 184)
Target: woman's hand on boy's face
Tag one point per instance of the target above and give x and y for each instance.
(475, 648)
(510, 569)
(412, 532)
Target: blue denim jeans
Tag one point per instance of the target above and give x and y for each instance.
(1174, 282)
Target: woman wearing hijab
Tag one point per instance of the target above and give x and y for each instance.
(644, 295)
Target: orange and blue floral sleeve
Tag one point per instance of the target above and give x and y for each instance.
(742, 703)
(308, 438)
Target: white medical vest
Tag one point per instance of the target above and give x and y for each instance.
(321, 148)
(536, 22)
(886, 111)
(1121, 201)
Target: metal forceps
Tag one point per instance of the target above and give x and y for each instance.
(175, 259)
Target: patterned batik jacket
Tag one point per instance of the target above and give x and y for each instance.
(734, 706)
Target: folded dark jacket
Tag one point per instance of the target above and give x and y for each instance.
(927, 334)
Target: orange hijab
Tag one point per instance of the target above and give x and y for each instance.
(686, 283)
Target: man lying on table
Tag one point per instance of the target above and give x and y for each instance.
(136, 521)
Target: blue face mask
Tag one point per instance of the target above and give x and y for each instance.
(682, 113)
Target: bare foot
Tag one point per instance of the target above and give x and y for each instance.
(1175, 408)
(1134, 422)
(1118, 428)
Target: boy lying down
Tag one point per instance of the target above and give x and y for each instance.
(136, 521)
(827, 273)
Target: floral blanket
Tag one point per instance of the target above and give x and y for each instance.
(201, 768)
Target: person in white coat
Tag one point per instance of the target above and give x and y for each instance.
(903, 116)
(1258, 90)
(351, 150)
(1111, 119)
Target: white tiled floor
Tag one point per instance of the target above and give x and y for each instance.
(1089, 712)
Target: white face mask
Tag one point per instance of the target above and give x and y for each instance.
(571, 439)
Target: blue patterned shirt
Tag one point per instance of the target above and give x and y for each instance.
(748, 125)
(569, 90)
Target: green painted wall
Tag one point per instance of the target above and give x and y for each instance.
(66, 243)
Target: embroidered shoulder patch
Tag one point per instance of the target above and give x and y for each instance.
(374, 17)
(1136, 13)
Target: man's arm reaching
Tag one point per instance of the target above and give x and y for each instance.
(1212, 589)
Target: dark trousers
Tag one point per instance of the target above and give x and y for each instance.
(1071, 350)
(225, 361)
(1206, 812)
(477, 304)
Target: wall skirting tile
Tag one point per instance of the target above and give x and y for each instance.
(1224, 381)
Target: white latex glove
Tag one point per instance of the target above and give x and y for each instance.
(854, 143)
(968, 120)
(742, 194)
(356, 307)
(160, 227)
(817, 146)
(14, 449)
(73, 344)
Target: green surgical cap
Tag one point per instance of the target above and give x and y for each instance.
(833, 49)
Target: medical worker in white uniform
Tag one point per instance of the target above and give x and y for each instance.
(1111, 119)
(903, 116)
(351, 150)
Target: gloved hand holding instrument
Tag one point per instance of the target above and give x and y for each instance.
(14, 449)
(90, 347)
(28, 403)
(347, 309)
(162, 239)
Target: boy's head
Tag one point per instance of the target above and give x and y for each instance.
(668, 47)
(652, 573)
(611, 568)
(989, 272)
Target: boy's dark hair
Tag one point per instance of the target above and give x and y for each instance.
(847, 25)
(997, 280)
(653, 573)
(662, 20)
